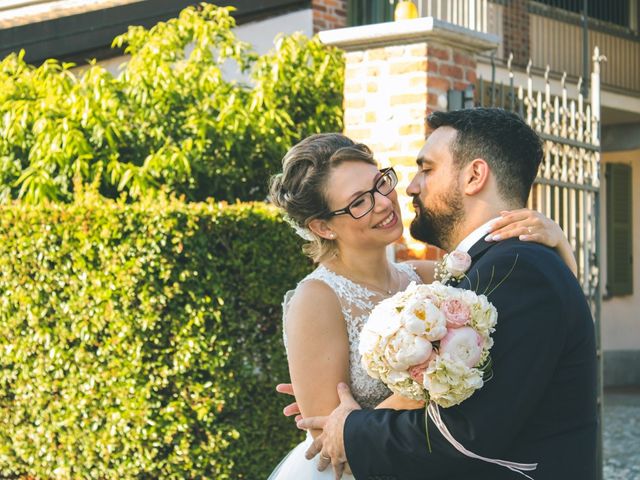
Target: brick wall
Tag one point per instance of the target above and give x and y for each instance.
(515, 27)
(448, 68)
(329, 14)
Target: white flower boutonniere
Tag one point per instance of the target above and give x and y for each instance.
(453, 266)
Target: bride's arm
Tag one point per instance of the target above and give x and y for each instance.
(317, 348)
(398, 402)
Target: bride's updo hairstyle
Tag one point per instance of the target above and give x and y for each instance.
(300, 190)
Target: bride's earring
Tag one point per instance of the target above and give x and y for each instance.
(332, 236)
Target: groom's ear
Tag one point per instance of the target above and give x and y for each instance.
(476, 176)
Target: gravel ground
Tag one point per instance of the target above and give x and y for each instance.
(622, 435)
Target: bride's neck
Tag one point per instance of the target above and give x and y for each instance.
(362, 266)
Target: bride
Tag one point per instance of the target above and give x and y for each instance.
(335, 197)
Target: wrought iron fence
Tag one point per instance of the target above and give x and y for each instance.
(567, 188)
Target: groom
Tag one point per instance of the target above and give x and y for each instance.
(540, 405)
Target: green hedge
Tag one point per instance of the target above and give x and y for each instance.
(144, 340)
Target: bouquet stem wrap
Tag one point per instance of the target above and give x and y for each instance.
(434, 412)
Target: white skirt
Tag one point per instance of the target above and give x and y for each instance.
(296, 467)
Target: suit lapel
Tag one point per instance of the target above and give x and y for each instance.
(478, 249)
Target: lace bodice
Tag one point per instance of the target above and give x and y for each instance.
(356, 302)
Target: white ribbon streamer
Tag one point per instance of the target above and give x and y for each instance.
(434, 413)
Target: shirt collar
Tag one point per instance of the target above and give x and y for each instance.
(475, 236)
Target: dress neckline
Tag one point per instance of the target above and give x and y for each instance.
(371, 293)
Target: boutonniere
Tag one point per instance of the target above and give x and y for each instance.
(453, 266)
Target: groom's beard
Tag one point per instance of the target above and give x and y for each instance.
(436, 227)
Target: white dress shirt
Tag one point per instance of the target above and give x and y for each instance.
(479, 233)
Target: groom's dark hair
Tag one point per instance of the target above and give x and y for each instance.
(510, 147)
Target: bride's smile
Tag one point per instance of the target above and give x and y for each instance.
(389, 222)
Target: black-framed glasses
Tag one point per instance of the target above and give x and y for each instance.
(365, 202)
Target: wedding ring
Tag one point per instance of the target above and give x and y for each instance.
(529, 229)
(323, 457)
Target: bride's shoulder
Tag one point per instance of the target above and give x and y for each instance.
(312, 291)
(424, 268)
(314, 304)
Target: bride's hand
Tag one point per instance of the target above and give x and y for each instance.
(398, 402)
(532, 226)
(527, 225)
(292, 408)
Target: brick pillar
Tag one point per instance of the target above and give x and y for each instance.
(515, 26)
(396, 73)
(329, 14)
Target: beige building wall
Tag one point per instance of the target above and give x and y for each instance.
(621, 315)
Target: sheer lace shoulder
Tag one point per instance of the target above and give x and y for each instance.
(409, 271)
(356, 303)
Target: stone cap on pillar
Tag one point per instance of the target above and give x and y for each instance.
(402, 32)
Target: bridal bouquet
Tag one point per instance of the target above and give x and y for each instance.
(430, 342)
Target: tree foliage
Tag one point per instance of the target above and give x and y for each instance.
(170, 119)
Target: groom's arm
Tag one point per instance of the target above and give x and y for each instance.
(528, 341)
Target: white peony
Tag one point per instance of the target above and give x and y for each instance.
(405, 349)
(368, 341)
(384, 319)
(463, 344)
(435, 322)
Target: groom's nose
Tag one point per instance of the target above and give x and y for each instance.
(413, 188)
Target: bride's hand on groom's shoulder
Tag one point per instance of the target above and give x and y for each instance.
(398, 402)
(527, 225)
(532, 226)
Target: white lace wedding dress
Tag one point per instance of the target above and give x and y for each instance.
(356, 302)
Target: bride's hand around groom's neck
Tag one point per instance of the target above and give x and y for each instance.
(532, 226)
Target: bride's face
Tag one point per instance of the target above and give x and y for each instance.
(377, 228)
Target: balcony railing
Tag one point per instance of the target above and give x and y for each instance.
(555, 37)
(472, 14)
(620, 13)
(558, 43)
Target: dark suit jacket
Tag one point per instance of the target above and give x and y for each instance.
(540, 405)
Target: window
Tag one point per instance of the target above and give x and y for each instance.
(366, 12)
(619, 229)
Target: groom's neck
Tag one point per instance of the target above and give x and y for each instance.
(476, 215)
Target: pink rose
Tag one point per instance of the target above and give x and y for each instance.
(417, 371)
(457, 312)
(463, 344)
(457, 263)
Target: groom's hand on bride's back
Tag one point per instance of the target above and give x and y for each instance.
(292, 408)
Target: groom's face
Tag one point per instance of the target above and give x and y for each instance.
(436, 191)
